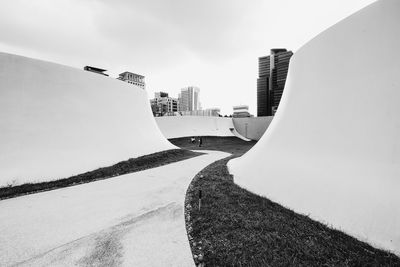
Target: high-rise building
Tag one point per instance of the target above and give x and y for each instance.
(133, 78)
(189, 99)
(272, 73)
(163, 105)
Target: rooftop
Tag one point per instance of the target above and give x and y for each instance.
(94, 68)
(127, 72)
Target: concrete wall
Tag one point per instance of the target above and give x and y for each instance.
(332, 150)
(57, 121)
(182, 126)
(252, 128)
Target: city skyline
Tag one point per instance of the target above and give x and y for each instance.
(95, 172)
(214, 45)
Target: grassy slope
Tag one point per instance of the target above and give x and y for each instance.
(231, 145)
(237, 228)
(124, 167)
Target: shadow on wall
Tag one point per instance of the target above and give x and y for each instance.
(252, 128)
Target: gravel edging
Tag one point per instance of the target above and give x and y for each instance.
(196, 248)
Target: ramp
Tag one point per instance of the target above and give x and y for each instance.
(57, 121)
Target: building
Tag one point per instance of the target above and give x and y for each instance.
(272, 73)
(241, 111)
(163, 105)
(95, 70)
(210, 112)
(133, 78)
(189, 99)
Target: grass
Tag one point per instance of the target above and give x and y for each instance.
(238, 228)
(124, 167)
(231, 145)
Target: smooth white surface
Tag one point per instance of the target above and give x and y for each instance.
(238, 135)
(182, 126)
(134, 220)
(253, 127)
(333, 149)
(57, 121)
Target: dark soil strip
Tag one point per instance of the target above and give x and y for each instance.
(238, 228)
(124, 167)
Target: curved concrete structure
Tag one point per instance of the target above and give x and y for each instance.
(333, 149)
(238, 135)
(57, 121)
(184, 126)
(252, 128)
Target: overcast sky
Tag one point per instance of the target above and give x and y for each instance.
(212, 44)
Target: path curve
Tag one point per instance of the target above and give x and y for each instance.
(135, 219)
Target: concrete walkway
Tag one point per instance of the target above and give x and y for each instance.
(130, 220)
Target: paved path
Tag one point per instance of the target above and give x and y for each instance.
(130, 220)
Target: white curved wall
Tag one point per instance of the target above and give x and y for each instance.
(56, 121)
(252, 127)
(333, 149)
(182, 126)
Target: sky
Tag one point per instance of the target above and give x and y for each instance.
(211, 44)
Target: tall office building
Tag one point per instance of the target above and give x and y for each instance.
(272, 73)
(189, 99)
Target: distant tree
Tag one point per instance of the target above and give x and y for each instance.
(154, 109)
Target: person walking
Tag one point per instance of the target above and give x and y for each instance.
(200, 141)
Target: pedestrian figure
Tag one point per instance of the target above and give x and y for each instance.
(200, 141)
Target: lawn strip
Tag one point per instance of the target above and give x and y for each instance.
(229, 144)
(238, 228)
(131, 165)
